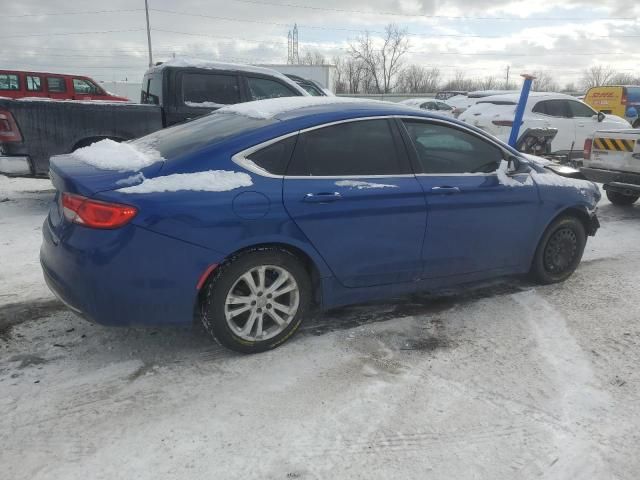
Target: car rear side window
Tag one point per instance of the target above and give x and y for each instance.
(360, 148)
(200, 89)
(262, 88)
(56, 85)
(274, 158)
(9, 81)
(444, 149)
(553, 108)
(34, 83)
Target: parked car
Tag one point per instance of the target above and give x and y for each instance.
(313, 88)
(19, 84)
(612, 157)
(173, 92)
(447, 94)
(623, 101)
(253, 214)
(574, 120)
(462, 102)
(430, 104)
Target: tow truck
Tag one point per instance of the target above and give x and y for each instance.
(612, 157)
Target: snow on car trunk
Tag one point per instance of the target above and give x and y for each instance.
(125, 157)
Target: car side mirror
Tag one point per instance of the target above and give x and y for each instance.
(512, 164)
(601, 116)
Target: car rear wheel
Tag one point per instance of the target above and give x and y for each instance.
(620, 199)
(257, 301)
(559, 251)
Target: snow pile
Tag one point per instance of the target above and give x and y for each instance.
(125, 157)
(265, 109)
(204, 104)
(362, 185)
(209, 181)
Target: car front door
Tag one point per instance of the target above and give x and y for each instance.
(478, 217)
(586, 122)
(556, 114)
(350, 189)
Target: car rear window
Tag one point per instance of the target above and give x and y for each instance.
(208, 130)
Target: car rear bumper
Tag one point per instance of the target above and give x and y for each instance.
(15, 165)
(123, 277)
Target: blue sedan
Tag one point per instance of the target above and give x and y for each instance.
(249, 217)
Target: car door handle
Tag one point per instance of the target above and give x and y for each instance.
(324, 197)
(446, 190)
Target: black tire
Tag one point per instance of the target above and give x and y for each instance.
(559, 251)
(620, 199)
(212, 305)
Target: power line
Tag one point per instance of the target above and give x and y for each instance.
(419, 15)
(316, 27)
(70, 33)
(89, 12)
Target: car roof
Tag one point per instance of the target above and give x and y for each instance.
(515, 97)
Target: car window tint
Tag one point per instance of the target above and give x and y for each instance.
(362, 148)
(84, 87)
(34, 84)
(207, 130)
(152, 93)
(579, 109)
(553, 108)
(203, 88)
(262, 88)
(9, 82)
(443, 149)
(56, 85)
(274, 158)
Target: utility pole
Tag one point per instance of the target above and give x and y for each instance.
(506, 85)
(146, 9)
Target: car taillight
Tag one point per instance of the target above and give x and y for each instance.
(94, 213)
(503, 123)
(9, 131)
(586, 153)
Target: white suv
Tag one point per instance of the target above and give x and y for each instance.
(574, 120)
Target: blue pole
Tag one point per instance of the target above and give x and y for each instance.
(517, 121)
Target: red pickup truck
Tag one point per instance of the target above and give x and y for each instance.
(18, 84)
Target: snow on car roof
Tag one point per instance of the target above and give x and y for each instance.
(265, 109)
(515, 97)
(186, 62)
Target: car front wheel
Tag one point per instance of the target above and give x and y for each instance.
(257, 301)
(559, 251)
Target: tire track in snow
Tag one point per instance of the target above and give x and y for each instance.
(581, 401)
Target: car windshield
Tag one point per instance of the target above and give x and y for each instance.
(207, 130)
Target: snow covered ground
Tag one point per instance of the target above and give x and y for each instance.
(506, 381)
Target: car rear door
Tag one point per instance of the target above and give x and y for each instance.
(477, 219)
(350, 189)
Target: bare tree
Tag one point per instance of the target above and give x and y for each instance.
(313, 57)
(624, 79)
(418, 79)
(383, 60)
(488, 83)
(461, 82)
(596, 76)
(544, 82)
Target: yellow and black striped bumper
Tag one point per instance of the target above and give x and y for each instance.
(616, 144)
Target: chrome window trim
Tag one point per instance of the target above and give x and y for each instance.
(241, 159)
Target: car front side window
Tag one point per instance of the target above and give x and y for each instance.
(263, 88)
(580, 110)
(443, 149)
(359, 148)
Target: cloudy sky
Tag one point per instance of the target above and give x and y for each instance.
(107, 40)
